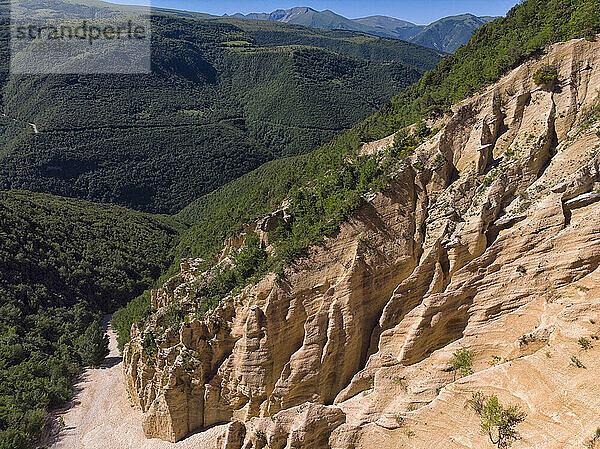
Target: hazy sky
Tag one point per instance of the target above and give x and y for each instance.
(417, 11)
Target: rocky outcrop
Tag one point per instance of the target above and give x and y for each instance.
(350, 347)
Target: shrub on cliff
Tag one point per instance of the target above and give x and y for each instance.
(497, 422)
(546, 76)
(593, 441)
(462, 362)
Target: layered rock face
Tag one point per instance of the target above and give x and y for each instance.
(492, 244)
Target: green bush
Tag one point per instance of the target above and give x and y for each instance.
(149, 346)
(422, 131)
(498, 422)
(404, 145)
(419, 165)
(172, 315)
(136, 312)
(190, 360)
(261, 439)
(576, 362)
(546, 76)
(593, 441)
(584, 343)
(92, 346)
(439, 161)
(462, 362)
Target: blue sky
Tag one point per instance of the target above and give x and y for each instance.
(417, 11)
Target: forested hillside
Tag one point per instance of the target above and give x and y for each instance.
(493, 49)
(348, 43)
(63, 263)
(219, 103)
(450, 33)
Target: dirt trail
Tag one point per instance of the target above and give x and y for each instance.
(101, 417)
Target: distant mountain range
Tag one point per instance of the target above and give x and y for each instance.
(446, 34)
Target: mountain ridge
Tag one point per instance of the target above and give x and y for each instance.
(445, 34)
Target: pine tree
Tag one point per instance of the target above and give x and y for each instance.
(93, 345)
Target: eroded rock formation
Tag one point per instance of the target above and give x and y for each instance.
(494, 246)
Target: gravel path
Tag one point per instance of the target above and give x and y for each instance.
(101, 416)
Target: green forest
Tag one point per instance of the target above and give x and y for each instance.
(219, 103)
(66, 262)
(63, 264)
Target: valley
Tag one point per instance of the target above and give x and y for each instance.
(218, 96)
(306, 238)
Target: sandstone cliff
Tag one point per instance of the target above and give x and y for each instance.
(492, 244)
